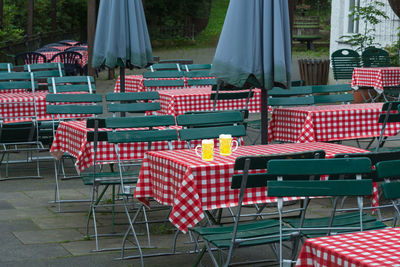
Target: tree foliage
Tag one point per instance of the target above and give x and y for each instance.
(71, 16)
(371, 15)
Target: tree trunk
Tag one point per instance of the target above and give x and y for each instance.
(29, 28)
(54, 15)
(1, 14)
(91, 30)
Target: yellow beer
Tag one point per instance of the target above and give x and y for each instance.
(207, 149)
(225, 144)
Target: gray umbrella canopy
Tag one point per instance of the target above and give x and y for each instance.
(121, 35)
(255, 47)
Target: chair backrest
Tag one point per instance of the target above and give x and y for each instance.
(67, 57)
(389, 170)
(189, 67)
(81, 44)
(337, 93)
(6, 67)
(210, 125)
(298, 187)
(150, 135)
(291, 101)
(197, 74)
(71, 84)
(201, 82)
(45, 70)
(133, 102)
(161, 67)
(29, 58)
(159, 84)
(293, 91)
(259, 162)
(375, 158)
(163, 74)
(343, 62)
(74, 104)
(18, 80)
(375, 57)
(179, 61)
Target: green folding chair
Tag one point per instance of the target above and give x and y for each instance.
(163, 74)
(66, 107)
(191, 67)
(137, 102)
(245, 231)
(210, 125)
(164, 67)
(288, 184)
(343, 63)
(45, 70)
(389, 171)
(19, 133)
(200, 82)
(121, 135)
(332, 94)
(375, 57)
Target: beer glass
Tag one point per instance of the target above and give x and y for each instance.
(207, 149)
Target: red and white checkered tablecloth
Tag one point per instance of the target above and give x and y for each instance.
(328, 123)
(190, 185)
(370, 248)
(20, 107)
(49, 55)
(378, 78)
(71, 138)
(179, 101)
(134, 83)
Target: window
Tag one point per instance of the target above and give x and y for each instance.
(352, 25)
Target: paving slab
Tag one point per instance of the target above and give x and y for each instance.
(19, 252)
(85, 247)
(73, 220)
(48, 236)
(23, 213)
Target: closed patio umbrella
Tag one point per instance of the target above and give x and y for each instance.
(122, 38)
(255, 49)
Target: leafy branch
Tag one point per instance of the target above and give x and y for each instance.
(371, 15)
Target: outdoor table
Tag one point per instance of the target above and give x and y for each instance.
(71, 137)
(181, 179)
(369, 248)
(49, 55)
(134, 83)
(328, 123)
(178, 101)
(19, 106)
(378, 78)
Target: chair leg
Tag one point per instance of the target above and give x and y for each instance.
(133, 230)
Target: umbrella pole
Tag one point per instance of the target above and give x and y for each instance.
(122, 83)
(264, 116)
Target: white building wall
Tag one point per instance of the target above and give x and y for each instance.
(386, 31)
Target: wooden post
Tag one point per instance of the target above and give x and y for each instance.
(29, 29)
(53, 15)
(1, 14)
(292, 9)
(91, 30)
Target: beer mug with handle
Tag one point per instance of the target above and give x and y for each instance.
(225, 144)
(207, 149)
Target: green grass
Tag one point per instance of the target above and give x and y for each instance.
(210, 35)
